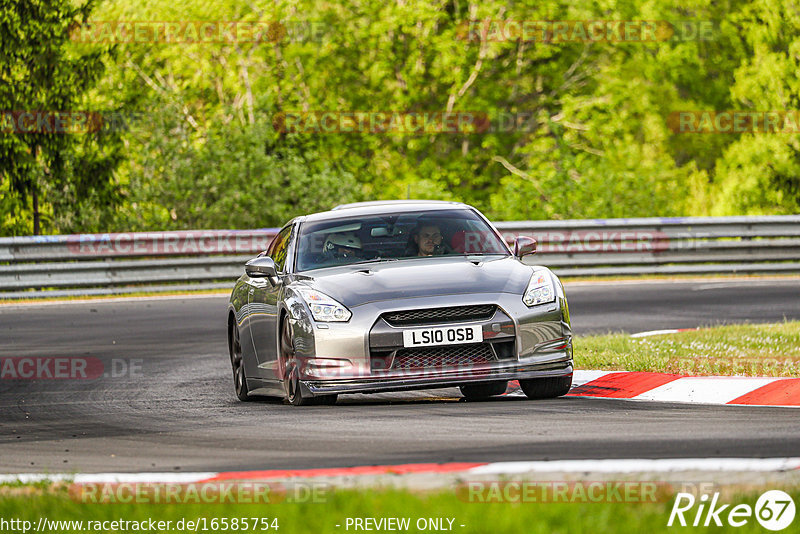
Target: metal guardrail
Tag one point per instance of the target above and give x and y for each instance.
(679, 245)
(154, 261)
(79, 264)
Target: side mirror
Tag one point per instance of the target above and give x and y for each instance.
(262, 267)
(523, 246)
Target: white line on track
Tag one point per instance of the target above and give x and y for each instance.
(732, 281)
(659, 465)
(655, 332)
(109, 478)
(708, 390)
(103, 300)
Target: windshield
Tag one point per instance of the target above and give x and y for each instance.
(398, 236)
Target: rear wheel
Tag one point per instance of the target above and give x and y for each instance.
(291, 372)
(237, 363)
(473, 392)
(546, 388)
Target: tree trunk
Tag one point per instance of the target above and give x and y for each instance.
(35, 192)
(35, 212)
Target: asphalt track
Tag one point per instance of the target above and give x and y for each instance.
(178, 412)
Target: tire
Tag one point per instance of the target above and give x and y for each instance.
(476, 392)
(546, 388)
(291, 374)
(237, 364)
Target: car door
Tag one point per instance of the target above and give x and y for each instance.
(263, 304)
(242, 316)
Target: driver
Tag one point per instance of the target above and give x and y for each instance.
(429, 240)
(342, 246)
(426, 240)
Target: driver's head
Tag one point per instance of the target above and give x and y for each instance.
(342, 245)
(428, 239)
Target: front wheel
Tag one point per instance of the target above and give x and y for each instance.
(475, 392)
(291, 373)
(546, 388)
(237, 364)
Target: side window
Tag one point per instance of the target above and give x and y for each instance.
(279, 247)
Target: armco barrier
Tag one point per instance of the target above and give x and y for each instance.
(675, 245)
(124, 262)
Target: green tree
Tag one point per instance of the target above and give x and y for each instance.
(760, 173)
(595, 141)
(233, 176)
(42, 72)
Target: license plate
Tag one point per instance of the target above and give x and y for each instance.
(442, 335)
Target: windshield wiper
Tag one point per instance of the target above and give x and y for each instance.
(373, 260)
(481, 254)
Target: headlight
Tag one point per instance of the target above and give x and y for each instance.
(540, 289)
(324, 308)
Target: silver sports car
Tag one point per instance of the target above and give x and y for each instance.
(397, 295)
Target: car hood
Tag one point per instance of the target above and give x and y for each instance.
(359, 284)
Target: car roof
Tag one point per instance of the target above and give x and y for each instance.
(383, 206)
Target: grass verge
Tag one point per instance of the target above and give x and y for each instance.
(709, 277)
(734, 350)
(177, 293)
(331, 515)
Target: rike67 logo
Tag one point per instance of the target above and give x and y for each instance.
(774, 510)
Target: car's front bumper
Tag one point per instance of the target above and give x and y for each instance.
(559, 365)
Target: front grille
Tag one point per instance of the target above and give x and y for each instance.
(440, 315)
(449, 356)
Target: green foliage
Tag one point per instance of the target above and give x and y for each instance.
(594, 141)
(760, 174)
(234, 176)
(41, 72)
